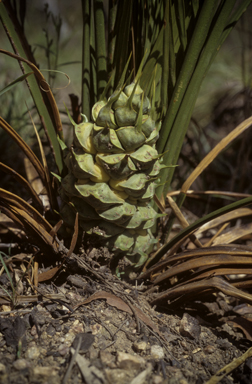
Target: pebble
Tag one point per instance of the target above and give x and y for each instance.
(34, 331)
(44, 336)
(51, 330)
(20, 364)
(157, 379)
(117, 376)
(189, 327)
(157, 352)
(107, 359)
(128, 361)
(2, 368)
(141, 378)
(32, 353)
(96, 328)
(140, 346)
(209, 349)
(77, 327)
(47, 375)
(63, 349)
(69, 338)
(58, 328)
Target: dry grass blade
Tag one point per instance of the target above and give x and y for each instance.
(48, 275)
(75, 236)
(23, 181)
(245, 284)
(196, 193)
(39, 235)
(235, 214)
(229, 367)
(233, 250)
(210, 242)
(212, 271)
(35, 274)
(30, 219)
(172, 245)
(160, 205)
(47, 174)
(204, 261)
(11, 199)
(20, 299)
(184, 223)
(43, 84)
(214, 153)
(55, 229)
(234, 234)
(9, 225)
(211, 284)
(24, 147)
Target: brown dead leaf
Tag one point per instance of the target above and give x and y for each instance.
(117, 302)
(44, 276)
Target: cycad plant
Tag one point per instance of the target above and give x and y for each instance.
(113, 169)
(142, 66)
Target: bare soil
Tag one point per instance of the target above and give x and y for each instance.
(88, 326)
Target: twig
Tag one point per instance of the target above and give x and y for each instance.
(74, 356)
(229, 367)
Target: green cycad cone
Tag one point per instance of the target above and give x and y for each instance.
(113, 170)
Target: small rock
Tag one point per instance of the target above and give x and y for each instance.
(44, 336)
(248, 366)
(63, 349)
(157, 352)
(51, 330)
(34, 331)
(6, 308)
(46, 371)
(209, 349)
(157, 379)
(87, 339)
(108, 313)
(58, 328)
(96, 328)
(69, 338)
(77, 327)
(224, 344)
(127, 361)
(20, 364)
(117, 376)
(141, 378)
(140, 346)
(93, 353)
(107, 359)
(176, 376)
(2, 369)
(189, 327)
(48, 375)
(32, 353)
